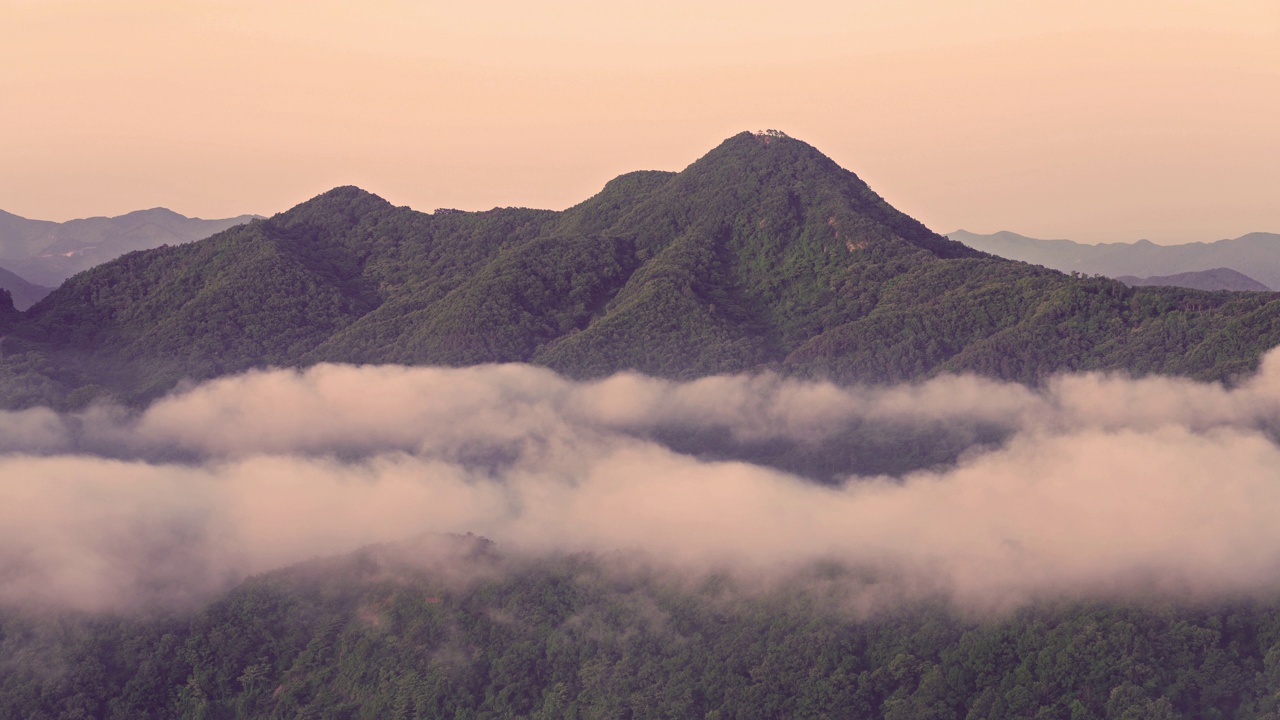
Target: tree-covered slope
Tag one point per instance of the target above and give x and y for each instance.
(385, 634)
(763, 253)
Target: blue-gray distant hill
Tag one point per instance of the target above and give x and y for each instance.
(45, 253)
(1215, 279)
(24, 294)
(1256, 255)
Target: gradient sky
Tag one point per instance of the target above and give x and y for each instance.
(1095, 121)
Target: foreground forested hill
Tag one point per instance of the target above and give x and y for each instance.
(763, 254)
(375, 636)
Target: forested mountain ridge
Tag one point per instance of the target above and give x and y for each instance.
(762, 254)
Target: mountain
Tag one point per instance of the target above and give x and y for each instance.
(1256, 255)
(1215, 279)
(24, 294)
(762, 254)
(47, 253)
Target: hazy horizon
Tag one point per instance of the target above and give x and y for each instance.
(1097, 122)
(427, 210)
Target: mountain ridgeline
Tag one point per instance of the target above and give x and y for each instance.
(1254, 255)
(763, 254)
(1215, 279)
(24, 294)
(46, 253)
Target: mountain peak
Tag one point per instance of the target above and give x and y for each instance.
(768, 136)
(770, 172)
(763, 254)
(774, 144)
(150, 213)
(346, 201)
(346, 193)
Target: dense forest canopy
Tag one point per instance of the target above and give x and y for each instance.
(376, 635)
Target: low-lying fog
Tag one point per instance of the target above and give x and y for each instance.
(1095, 486)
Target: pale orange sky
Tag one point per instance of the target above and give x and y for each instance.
(1095, 121)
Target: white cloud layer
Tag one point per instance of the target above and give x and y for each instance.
(1105, 487)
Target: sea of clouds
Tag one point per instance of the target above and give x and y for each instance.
(1103, 486)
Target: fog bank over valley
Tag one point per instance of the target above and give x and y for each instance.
(1092, 486)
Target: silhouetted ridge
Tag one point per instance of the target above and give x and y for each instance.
(1211, 279)
(47, 253)
(1256, 255)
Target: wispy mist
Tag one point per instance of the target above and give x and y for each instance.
(1100, 485)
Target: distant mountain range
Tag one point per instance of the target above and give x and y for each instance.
(763, 254)
(1256, 255)
(1215, 279)
(45, 253)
